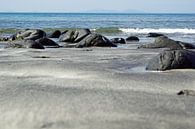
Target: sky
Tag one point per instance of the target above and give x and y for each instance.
(147, 6)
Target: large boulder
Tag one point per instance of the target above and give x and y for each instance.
(154, 35)
(25, 44)
(55, 34)
(74, 36)
(96, 40)
(132, 38)
(47, 42)
(30, 34)
(165, 42)
(118, 40)
(172, 59)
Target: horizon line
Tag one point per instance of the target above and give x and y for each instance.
(100, 12)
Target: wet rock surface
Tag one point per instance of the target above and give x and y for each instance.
(47, 42)
(172, 59)
(25, 44)
(74, 36)
(30, 34)
(165, 42)
(154, 35)
(118, 40)
(132, 38)
(95, 40)
(55, 34)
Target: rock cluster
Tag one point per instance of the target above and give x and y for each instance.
(178, 55)
(79, 38)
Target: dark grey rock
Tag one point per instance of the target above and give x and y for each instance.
(30, 34)
(154, 35)
(67, 37)
(33, 44)
(118, 40)
(55, 34)
(64, 32)
(81, 34)
(47, 42)
(95, 40)
(132, 38)
(25, 44)
(172, 59)
(74, 36)
(165, 42)
(4, 39)
(186, 92)
(12, 38)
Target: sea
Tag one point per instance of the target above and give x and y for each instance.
(176, 26)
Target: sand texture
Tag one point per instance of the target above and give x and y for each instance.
(91, 88)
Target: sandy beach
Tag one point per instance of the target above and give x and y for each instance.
(92, 88)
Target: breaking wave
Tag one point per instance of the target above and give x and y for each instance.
(163, 30)
(116, 30)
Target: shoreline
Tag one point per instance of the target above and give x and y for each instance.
(185, 35)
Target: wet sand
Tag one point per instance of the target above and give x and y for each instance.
(91, 88)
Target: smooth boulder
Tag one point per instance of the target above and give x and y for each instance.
(25, 44)
(47, 42)
(165, 42)
(55, 34)
(132, 38)
(172, 59)
(74, 36)
(118, 40)
(96, 40)
(30, 34)
(154, 35)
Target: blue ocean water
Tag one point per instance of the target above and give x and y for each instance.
(176, 25)
(87, 20)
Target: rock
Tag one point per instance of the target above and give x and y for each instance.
(33, 44)
(12, 38)
(172, 59)
(74, 36)
(132, 38)
(4, 39)
(95, 40)
(118, 40)
(25, 44)
(187, 92)
(82, 33)
(69, 36)
(55, 34)
(47, 42)
(30, 34)
(165, 42)
(154, 35)
(64, 32)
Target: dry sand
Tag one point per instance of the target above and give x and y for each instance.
(91, 88)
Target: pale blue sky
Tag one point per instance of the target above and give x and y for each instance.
(152, 6)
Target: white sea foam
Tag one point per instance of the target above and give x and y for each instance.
(163, 30)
